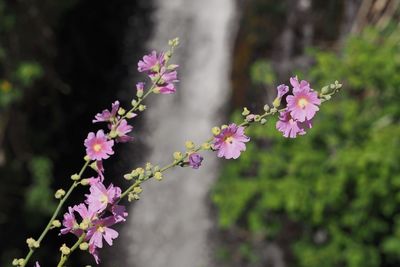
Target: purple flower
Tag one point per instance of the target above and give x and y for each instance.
(151, 62)
(101, 229)
(37, 264)
(167, 89)
(303, 104)
(100, 196)
(168, 77)
(195, 160)
(282, 90)
(107, 115)
(70, 224)
(86, 214)
(291, 127)
(98, 147)
(119, 213)
(230, 142)
(299, 86)
(140, 86)
(122, 130)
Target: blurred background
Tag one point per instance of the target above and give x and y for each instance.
(329, 198)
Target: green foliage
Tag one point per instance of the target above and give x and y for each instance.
(39, 196)
(340, 183)
(262, 72)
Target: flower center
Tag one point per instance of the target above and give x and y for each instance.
(229, 139)
(100, 229)
(104, 199)
(97, 147)
(302, 103)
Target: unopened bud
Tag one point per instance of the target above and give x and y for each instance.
(277, 102)
(121, 111)
(130, 115)
(83, 246)
(75, 177)
(32, 243)
(245, 111)
(137, 190)
(65, 250)
(216, 130)
(325, 90)
(266, 108)
(113, 134)
(257, 118)
(142, 107)
(56, 223)
(59, 194)
(85, 182)
(128, 176)
(206, 146)
(86, 158)
(189, 144)
(263, 121)
(158, 176)
(133, 102)
(177, 155)
(224, 126)
(149, 166)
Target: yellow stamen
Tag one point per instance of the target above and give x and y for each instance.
(100, 229)
(104, 199)
(229, 139)
(302, 102)
(97, 147)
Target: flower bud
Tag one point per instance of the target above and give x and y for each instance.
(250, 117)
(65, 250)
(139, 93)
(224, 126)
(86, 158)
(128, 176)
(83, 246)
(189, 144)
(149, 166)
(113, 133)
(325, 90)
(266, 108)
(59, 194)
(130, 115)
(84, 225)
(277, 102)
(85, 182)
(140, 170)
(158, 176)
(32, 243)
(263, 121)
(133, 102)
(156, 168)
(245, 111)
(75, 177)
(142, 107)
(121, 111)
(257, 118)
(56, 223)
(216, 130)
(177, 155)
(156, 90)
(137, 190)
(206, 146)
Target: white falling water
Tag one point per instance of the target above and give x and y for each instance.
(170, 225)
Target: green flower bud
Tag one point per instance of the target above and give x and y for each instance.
(128, 176)
(263, 121)
(56, 223)
(325, 90)
(139, 93)
(224, 126)
(158, 176)
(156, 168)
(84, 225)
(206, 146)
(257, 118)
(15, 262)
(32, 243)
(130, 115)
(137, 190)
(177, 155)
(189, 145)
(113, 133)
(142, 107)
(121, 111)
(327, 97)
(85, 182)
(83, 246)
(86, 158)
(75, 177)
(59, 194)
(216, 130)
(65, 250)
(266, 108)
(245, 111)
(140, 170)
(277, 102)
(133, 102)
(149, 166)
(156, 90)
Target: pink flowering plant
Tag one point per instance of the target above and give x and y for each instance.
(93, 220)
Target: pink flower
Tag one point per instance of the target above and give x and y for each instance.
(168, 77)
(100, 197)
(230, 142)
(119, 213)
(167, 89)
(195, 160)
(98, 147)
(151, 62)
(37, 264)
(291, 127)
(101, 229)
(298, 86)
(140, 86)
(85, 213)
(122, 130)
(70, 224)
(107, 115)
(303, 104)
(282, 90)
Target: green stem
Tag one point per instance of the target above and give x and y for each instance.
(55, 214)
(64, 258)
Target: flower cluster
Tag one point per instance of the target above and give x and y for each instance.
(97, 214)
(164, 76)
(301, 108)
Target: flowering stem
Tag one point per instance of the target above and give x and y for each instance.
(64, 257)
(55, 214)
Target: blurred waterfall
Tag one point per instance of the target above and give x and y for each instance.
(171, 225)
